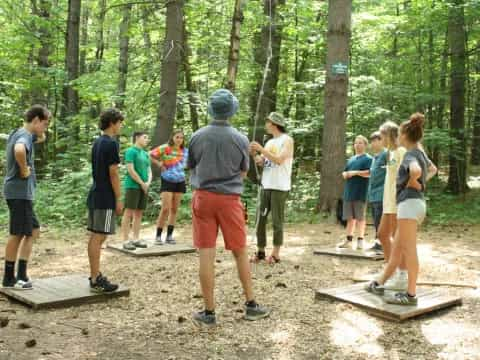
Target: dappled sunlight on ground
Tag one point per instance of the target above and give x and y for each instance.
(357, 331)
(453, 335)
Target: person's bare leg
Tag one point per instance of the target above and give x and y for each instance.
(409, 250)
(11, 249)
(165, 211)
(176, 200)
(126, 221)
(276, 252)
(385, 233)
(243, 267)
(361, 225)
(395, 258)
(26, 245)
(207, 276)
(137, 224)
(94, 250)
(351, 227)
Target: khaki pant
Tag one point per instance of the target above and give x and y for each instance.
(271, 201)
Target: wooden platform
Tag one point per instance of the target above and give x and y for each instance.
(359, 254)
(429, 300)
(154, 250)
(61, 291)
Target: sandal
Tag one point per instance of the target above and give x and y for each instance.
(272, 259)
(259, 256)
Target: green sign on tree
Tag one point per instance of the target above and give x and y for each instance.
(339, 68)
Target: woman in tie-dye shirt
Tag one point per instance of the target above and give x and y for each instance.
(171, 158)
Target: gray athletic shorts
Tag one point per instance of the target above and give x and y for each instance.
(414, 209)
(101, 221)
(354, 210)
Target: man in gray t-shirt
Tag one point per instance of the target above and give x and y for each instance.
(218, 158)
(19, 192)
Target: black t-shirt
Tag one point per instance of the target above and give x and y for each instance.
(105, 152)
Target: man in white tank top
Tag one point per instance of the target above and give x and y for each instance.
(276, 158)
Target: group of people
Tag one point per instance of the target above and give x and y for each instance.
(393, 182)
(218, 157)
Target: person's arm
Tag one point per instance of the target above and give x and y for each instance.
(20, 153)
(115, 181)
(286, 153)
(134, 175)
(415, 171)
(150, 177)
(432, 171)
(154, 155)
(361, 173)
(259, 160)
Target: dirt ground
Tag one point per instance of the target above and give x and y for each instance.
(155, 321)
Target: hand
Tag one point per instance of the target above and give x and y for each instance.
(255, 146)
(414, 184)
(258, 160)
(25, 172)
(41, 138)
(145, 187)
(345, 175)
(119, 207)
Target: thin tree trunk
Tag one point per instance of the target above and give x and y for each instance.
(234, 53)
(102, 6)
(336, 99)
(147, 42)
(193, 100)
(475, 159)
(84, 38)
(70, 95)
(172, 58)
(442, 101)
(123, 56)
(457, 182)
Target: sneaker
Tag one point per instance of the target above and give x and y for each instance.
(140, 244)
(377, 247)
(402, 298)
(256, 312)
(345, 244)
(398, 282)
(129, 245)
(159, 241)
(201, 318)
(360, 244)
(375, 288)
(18, 285)
(102, 285)
(171, 240)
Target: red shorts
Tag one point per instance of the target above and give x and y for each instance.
(212, 210)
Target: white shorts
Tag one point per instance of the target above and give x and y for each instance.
(414, 209)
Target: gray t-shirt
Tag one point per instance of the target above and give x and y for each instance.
(14, 187)
(218, 154)
(404, 193)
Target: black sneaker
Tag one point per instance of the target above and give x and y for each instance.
(202, 318)
(256, 312)
(377, 247)
(102, 285)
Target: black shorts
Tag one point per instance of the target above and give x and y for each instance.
(168, 186)
(101, 221)
(22, 217)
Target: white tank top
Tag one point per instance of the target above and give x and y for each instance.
(277, 177)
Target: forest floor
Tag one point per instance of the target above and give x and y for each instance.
(155, 321)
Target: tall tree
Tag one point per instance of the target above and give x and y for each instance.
(70, 95)
(234, 52)
(171, 61)
(336, 98)
(475, 159)
(102, 8)
(267, 47)
(457, 180)
(84, 38)
(147, 41)
(123, 56)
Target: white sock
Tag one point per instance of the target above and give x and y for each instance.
(403, 273)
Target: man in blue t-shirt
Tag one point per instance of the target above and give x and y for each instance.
(19, 192)
(376, 184)
(104, 198)
(356, 174)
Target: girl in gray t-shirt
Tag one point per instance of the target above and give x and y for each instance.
(414, 172)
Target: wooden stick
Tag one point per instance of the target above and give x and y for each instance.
(427, 283)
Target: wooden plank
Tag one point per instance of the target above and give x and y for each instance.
(358, 254)
(429, 300)
(366, 278)
(61, 291)
(154, 250)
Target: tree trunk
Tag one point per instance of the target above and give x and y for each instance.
(123, 57)
(336, 99)
(147, 42)
(193, 100)
(70, 95)
(475, 160)
(457, 182)
(172, 58)
(234, 53)
(102, 6)
(268, 99)
(442, 102)
(84, 39)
